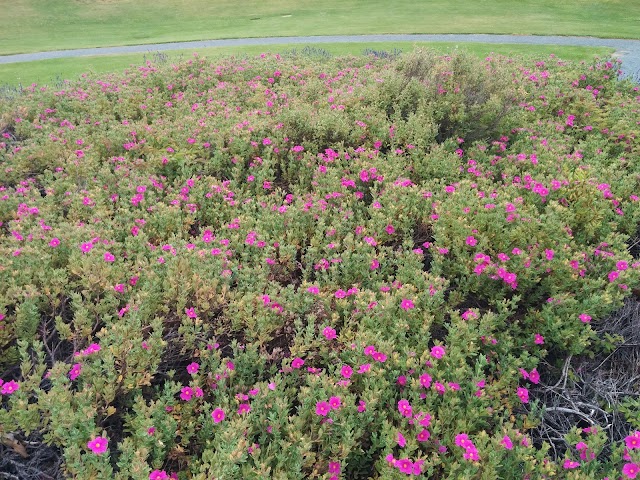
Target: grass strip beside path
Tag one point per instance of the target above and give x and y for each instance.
(57, 70)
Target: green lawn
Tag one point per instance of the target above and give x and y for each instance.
(53, 71)
(36, 25)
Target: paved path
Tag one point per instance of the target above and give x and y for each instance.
(627, 50)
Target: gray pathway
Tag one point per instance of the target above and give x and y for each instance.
(627, 50)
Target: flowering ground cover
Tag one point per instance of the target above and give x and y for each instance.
(349, 268)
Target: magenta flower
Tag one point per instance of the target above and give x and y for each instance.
(425, 380)
(538, 339)
(407, 304)
(98, 445)
(523, 394)
(9, 387)
(423, 435)
(471, 241)
(534, 376)
(506, 442)
(329, 333)
(438, 352)
(193, 368)
(322, 409)
(584, 318)
(108, 257)
(191, 312)
(297, 363)
(334, 468)
(54, 242)
(633, 441)
(462, 440)
(335, 403)
(630, 470)
(86, 247)
(244, 408)
(158, 475)
(401, 440)
(217, 415)
(404, 407)
(75, 371)
(186, 393)
(404, 465)
(346, 371)
(570, 464)
(622, 265)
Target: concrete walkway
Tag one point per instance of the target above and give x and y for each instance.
(627, 50)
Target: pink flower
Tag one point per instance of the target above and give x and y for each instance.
(86, 247)
(570, 464)
(534, 376)
(98, 445)
(379, 357)
(404, 407)
(75, 371)
(329, 333)
(462, 440)
(633, 441)
(313, 289)
(346, 371)
(423, 435)
(322, 409)
(186, 393)
(523, 394)
(622, 265)
(362, 406)
(404, 465)
(401, 440)
(438, 352)
(425, 380)
(9, 387)
(506, 442)
(191, 312)
(630, 470)
(407, 304)
(244, 408)
(584, 318)
(193, 368)
(217, 415)
(364, 368)
(158, 475)
(297, 362)
(613, 275)
(54, 242)
(538, 339)
(108, 257)
(335, 403)
(471, 240)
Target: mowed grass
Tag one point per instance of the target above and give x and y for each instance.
(36, 25)
(57, 70)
